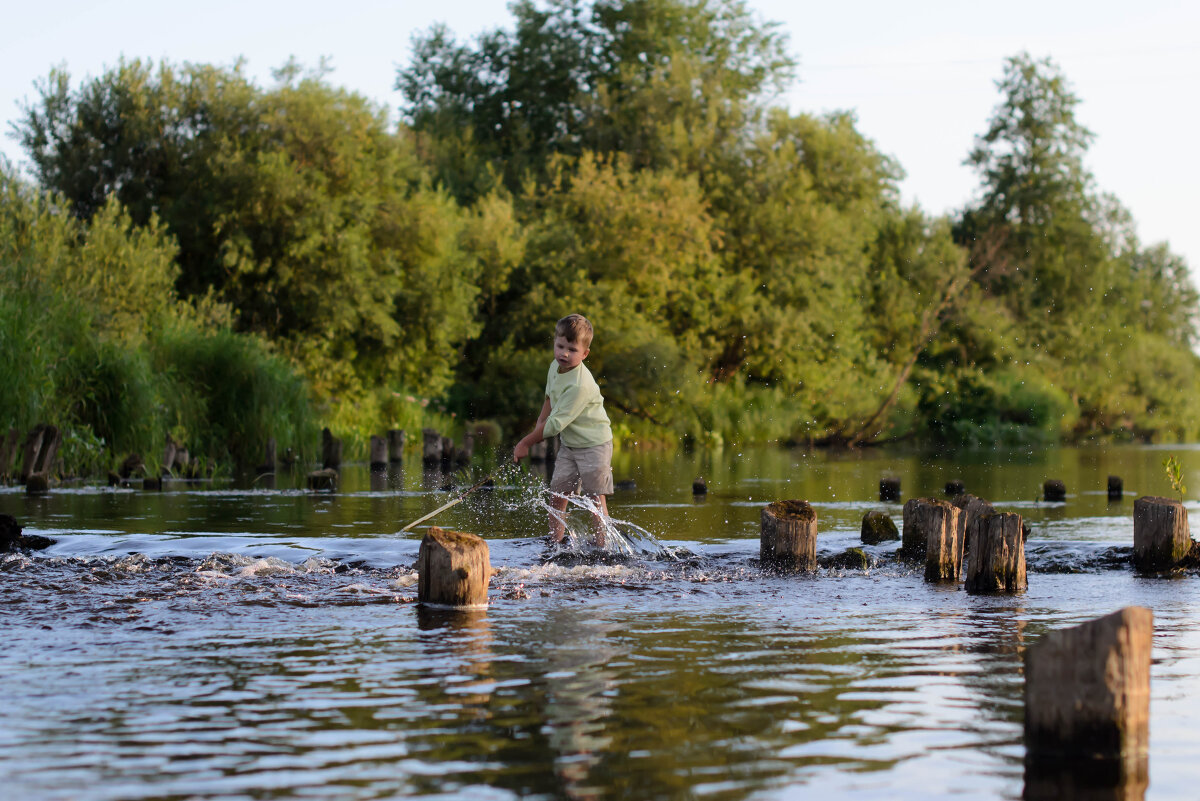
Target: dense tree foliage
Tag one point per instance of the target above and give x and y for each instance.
(751, 272)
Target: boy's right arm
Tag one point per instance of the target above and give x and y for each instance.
(535, 436)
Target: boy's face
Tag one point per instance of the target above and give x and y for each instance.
(569, 355)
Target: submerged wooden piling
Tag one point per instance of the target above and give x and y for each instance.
(996, 555)
(942, 523)
(379, 453)
(1054, 491)
(396, 440)
(1087, 695)
(788, 535)
(1161, 538)
(954, 488)
(448, 451)
(431, 447)
(877, 527)
(699, 486)
(1116, 488)
(453, 568)
(889, 489)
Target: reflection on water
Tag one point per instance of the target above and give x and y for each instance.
(216, 641)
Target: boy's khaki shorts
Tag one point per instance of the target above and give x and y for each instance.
(591, 467)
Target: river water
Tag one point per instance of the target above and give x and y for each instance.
(247, 639)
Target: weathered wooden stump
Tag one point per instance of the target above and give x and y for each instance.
(942, 523)
(114, 480)
(1160, 534)
(912, 539)
(11, 538)
(1087, 698)
(448, 451)
(396, 440)
(453, 568)
(324, 479)
(974, 510)
(152, 484)
(996, 555)
(699, 486)
(1054, 491)
(8, 449)
(43, 462)
(331, 450)
(954, 488)
(31, 449)
(37, 484)
(431, 447)
(877, 527)
(788, 535)
(889, 489)
(1116, 488)
(379, 453)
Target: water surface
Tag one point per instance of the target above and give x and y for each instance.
(248, 639)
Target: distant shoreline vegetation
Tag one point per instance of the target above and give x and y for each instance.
(207, 258)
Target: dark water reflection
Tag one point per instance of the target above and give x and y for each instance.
(216, 642)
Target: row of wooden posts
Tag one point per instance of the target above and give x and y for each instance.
(1053, 490)
(1087, 688)
(388, 449)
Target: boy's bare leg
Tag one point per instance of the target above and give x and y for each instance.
(558, 527)
(598, 519)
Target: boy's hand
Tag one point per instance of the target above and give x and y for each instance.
(521, 451)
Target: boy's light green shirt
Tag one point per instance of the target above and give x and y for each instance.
(576, 408)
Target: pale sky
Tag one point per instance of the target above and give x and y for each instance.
(920, 76)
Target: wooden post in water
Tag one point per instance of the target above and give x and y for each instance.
(7, 451)
(954, 488)
(996, 555)
(396, 440)
(1054, 491)
(431, 447)
(889, 489)
(453, 568)
(463, 455)
(942, 523)
(447, 453)
(1116, 488)
(331, 451)
(1087, 706)
(43, 463)
(379, 453)
(33, 446)
(1160, 534)
(699, 487)
(788, 535)
(537, 451)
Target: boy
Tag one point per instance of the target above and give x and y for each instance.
(574, 410)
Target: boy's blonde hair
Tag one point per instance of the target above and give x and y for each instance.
(575, 328)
